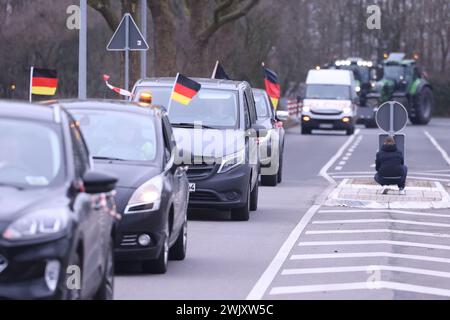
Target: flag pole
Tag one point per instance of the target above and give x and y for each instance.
(171, 94)
(215, 70)
(31, 84)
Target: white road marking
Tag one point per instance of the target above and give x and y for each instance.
(364, 231)
(324, 171)
(338, 168)
(368, 255)
(339, 176)
(272, 270)
(425, 272)
(411, 222)
(374, 242)
(361, 286)
(342, 163)
(412, 213)
(438, 147)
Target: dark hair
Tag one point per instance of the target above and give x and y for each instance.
(389, 141)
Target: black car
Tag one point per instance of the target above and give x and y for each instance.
(57, 216)
(216, 133)
(271, 145)
(135, 143)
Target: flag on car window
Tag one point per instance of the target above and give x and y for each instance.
(44, 82)
(272, 86)
(219, 72)
(184, 89)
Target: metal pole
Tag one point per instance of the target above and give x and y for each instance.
(82, 54)
(391, 121)
(127, 52)
(143, 7)
(31, 84)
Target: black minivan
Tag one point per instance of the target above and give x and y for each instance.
(217, 136)
(57, 216)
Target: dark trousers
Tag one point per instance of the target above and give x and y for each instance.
(390, 182)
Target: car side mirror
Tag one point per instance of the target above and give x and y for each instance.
(97, 182)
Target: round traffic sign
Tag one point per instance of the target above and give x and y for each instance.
(391, 117)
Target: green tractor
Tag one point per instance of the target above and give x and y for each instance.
(401, 81)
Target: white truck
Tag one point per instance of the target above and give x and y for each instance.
(330, 102)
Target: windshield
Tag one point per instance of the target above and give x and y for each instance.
(210, 107)
(394, 72)
(262, 106)
(118, 135)
(30, 154)
(327, 92)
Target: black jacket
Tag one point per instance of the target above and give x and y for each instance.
(389, 162)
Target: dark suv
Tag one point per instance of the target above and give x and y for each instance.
(217, 137)
(56, 215)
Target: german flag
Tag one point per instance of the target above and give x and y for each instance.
(272, 86)
(44, 82)
(185, 89)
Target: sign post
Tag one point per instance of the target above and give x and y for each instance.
(127, 38)
(392, 118)
(82, 51)
(143, 9)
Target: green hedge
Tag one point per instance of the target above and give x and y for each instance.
(441, 89)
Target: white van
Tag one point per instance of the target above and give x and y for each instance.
(330, 102)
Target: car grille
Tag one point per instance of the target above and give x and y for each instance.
(200, 171)
(202, 196)
(129, 240)
(324, 112)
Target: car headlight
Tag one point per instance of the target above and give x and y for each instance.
(347, 110)
(39, 224)
(232, 161)
(147, 197)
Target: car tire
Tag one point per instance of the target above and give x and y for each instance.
(106, 289)
(243, 213)
(350, 131)
(423, 108)
(280, 168)
(370, 123)
(73, 294)
(306, 131)
(269, 181)
(178, 250)
(254, 197)
(159, 265)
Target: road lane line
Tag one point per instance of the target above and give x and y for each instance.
(438, 147)
(374, 242)
(366, 269)
(363, 231)
(409, 213)
(411, 222)
(272, 270)
(369, 285)
(368, 255)
(324, 171)
(338, 168)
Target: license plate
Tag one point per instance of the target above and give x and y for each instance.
(191, 187)
(326, 126)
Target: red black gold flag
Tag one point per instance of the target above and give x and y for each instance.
(272, 86)
(185, 89)
(43, 82)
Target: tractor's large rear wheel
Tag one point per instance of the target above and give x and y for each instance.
(423, 108)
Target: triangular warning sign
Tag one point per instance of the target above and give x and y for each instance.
(135, 41)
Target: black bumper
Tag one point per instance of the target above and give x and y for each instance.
(23, 277)
(222, 191)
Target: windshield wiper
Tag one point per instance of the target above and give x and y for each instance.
(108, 158)
(12, 186)
(191, 125)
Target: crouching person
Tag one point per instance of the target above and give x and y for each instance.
(390, 166)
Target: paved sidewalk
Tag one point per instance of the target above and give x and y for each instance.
(366, 193)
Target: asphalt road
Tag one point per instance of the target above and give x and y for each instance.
(287, 249)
